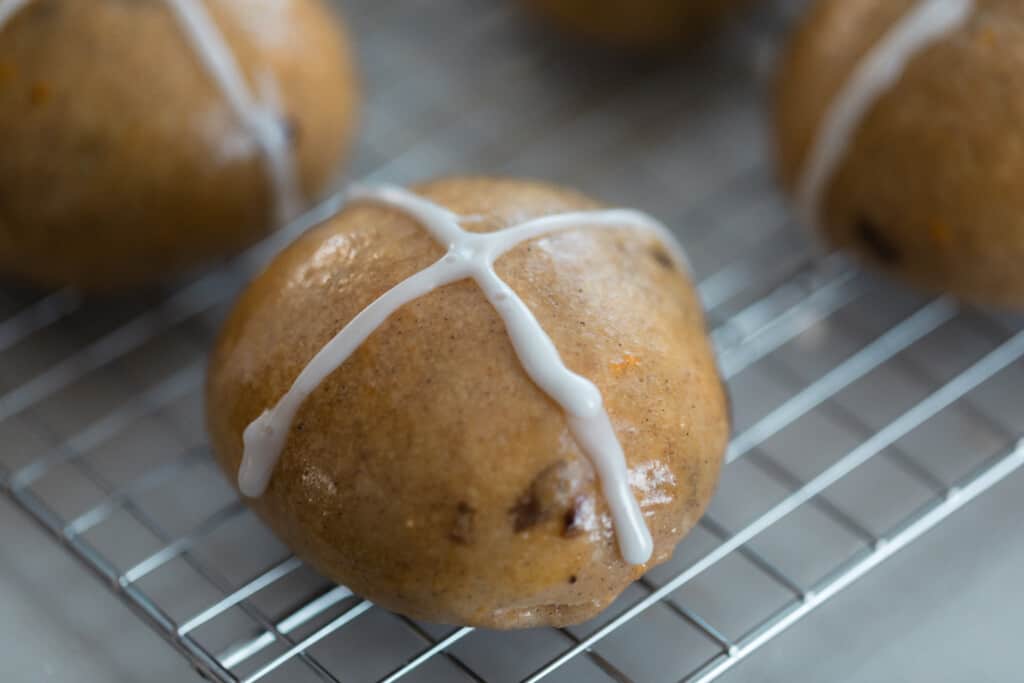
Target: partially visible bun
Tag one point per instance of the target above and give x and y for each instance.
(123, 159)
(928, 186)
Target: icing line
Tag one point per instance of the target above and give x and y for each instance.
(878, 72)
(261, 119)
(472, 256)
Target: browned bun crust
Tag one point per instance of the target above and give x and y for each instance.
(930, 188)
(117, 166)
(428, 473)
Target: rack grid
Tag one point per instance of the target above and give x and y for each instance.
(865, 415)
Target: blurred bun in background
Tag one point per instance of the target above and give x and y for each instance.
(144, 138)
(900, 128)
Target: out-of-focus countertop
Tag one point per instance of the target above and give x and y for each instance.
(58, 624)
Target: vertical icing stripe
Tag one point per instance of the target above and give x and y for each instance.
(472, 256)
(878, 72)
(261, 120)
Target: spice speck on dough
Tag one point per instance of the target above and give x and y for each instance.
(940, 233)
(39, 94)
(7, 73)
(463, 529)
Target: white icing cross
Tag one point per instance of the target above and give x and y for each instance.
(260, 119)
(876, 74)
(472, 256)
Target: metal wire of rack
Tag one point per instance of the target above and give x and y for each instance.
(100, 403)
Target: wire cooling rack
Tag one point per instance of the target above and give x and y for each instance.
(865, 415)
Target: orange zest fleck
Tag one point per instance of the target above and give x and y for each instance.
(987, 37)
(940, 233)
(39, 94)
(620, 367)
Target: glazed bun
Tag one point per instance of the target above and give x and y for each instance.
(143, 138)
(431, 451)
(900, 132)
(634, 24)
